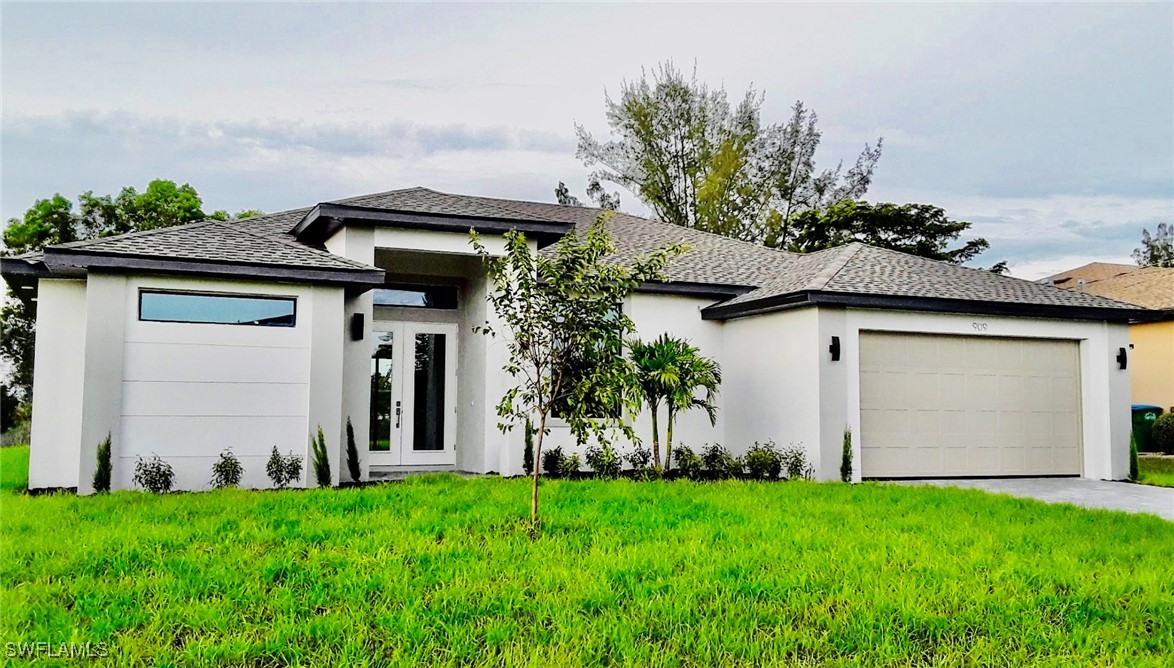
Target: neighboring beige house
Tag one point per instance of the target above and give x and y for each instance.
(1152, 341)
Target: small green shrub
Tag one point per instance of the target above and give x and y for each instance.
(796, 465)
(605, 461)
(154, 475)
(846, 457)
(720, 463)
(352, 453)
(283, 469)
(528, 453)
(639, 458)
(688, 463)
(552, 461)
(1163, 433)
(570, 466)
(1133, 472)
(321, 459)
(227, 471)
(763, 461)
(102, 473)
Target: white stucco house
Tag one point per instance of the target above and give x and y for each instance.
(247, 334)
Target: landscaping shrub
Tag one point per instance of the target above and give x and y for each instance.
(227, 471)
(1133, 472)
(552, 461)
(605, 461)
(1163, 433)
(321, 459)
(720, 463)
(846, 457)
(528, 453)
(639, 458)
(763, 461)
(283, 469)
(570, 466)
(154, 475)
(689, 464)
(352, 453)
(102, 473)
(796, 465)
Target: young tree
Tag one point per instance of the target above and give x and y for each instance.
(563, 331)
(701, 163)
(919, 229)
(671, 371)
(1156, 250)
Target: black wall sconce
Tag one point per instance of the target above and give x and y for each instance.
(1122, 359)
(357, 327)
(834, 349)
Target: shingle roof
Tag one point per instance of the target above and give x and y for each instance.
(1151, 287)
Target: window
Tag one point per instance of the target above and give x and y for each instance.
(417, 296)
(217, 308)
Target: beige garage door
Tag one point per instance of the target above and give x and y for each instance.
(934, 405)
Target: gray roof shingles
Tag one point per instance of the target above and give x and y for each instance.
(711, 259)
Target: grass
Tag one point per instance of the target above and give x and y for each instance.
(1156, 471)
(14, 468)
(439, 570)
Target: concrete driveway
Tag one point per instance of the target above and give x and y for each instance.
(1125, 496)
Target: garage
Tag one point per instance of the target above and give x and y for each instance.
(954, 406)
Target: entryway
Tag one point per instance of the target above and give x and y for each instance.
(413, 394)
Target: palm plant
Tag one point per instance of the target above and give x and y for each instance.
(672, 372)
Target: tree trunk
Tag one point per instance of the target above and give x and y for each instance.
(655, 439)
(537, 468)
(668, 442)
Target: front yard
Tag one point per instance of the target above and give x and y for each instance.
(1156, 470)
(439, 570)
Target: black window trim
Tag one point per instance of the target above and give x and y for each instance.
(205, 293)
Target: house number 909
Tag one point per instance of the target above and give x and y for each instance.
(978, 326)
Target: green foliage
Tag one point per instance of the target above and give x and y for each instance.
(283, 469)
(1156, 250)
(720, 463)
(154, 475)
(563, 332)
(595, 193)
(1163, 433)
(552, 461)
(605, 461)
(320, 459)
(569, 466)
(528, 452)
(846, 457)
(438, 571)
(102, 472)
(14, 469)
(1158, 471)
(672, 371)
(702, 163)
(763, 461)
(1133, 472)
(47, 221)
(8, 405)
(227, 470)
(352, 453)
(918, 229)
(689, 464)
(796, 465)
(18, 320)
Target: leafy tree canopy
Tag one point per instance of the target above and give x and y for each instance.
(1156, 250)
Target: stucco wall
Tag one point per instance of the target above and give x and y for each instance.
(59, 361)
(1153, 364)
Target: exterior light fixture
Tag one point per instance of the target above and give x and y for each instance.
(834, 349)
(1122, 359)
(357, 327)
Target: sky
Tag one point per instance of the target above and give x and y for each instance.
(1049, 127)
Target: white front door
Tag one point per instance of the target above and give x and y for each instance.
(413, 394)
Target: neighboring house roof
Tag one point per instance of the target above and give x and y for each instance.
(1151, 287)
(749, 278)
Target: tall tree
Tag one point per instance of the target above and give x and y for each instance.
(1156, 250)
(918, 229)
(699, 162)
(596, 193)
(556, 311)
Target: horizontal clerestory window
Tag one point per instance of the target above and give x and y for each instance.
(417, 296)
(217, 308)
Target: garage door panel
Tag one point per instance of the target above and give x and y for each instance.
(953, 405)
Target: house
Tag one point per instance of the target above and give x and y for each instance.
(249, 334)
(1152, 338)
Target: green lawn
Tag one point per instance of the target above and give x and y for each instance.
(1156, 471)
(14, 468)
(439, 570)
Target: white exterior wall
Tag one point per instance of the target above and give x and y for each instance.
(59, 363)
(1105, 389)
(355, 243)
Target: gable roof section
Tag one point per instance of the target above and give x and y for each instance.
(213, 248)
(1151, 287)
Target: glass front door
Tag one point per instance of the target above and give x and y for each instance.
(413, 395)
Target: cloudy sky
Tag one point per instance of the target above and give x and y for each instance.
(1051, 127)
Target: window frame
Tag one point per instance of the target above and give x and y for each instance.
(225, 295)
(421, 288)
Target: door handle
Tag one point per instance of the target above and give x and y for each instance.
(398, 410)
